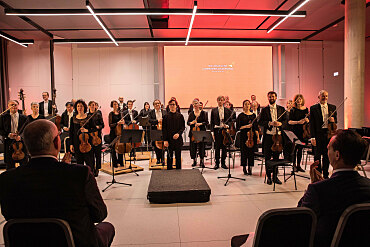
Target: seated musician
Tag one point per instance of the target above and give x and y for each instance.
(197, 118)
(246, 123)
(173, 125)
(155, 119)
(11, 123)
(46, 188)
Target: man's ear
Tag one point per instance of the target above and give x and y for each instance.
(56, 143)
(337, 155)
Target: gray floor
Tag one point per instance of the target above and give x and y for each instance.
(232, 210)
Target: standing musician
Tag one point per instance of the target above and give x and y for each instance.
(254, 100)
(197, 118)
(132, 114)
(155, 118)
(122, 105)
(255, 108)
(219, 115)
(246, 124)
(191, 106)
(173, 125)
(76, 132)
(11, 123)
(227, 101)
(66, 117)
(97, 126)
(177, 107)
(319, 114)
(268, 119)
(145, 113)
(46, 106)
(35, 114)
(114, 118)
(297, 118)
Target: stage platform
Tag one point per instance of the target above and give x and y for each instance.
(178, 186)
(105, 167)
(140, 155)
(154, 166)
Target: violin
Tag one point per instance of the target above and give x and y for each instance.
(18, 153)
(96, 141)
(120, 147)
(85, 146)
(306, 129)
(228, 140)
(332, 126)
(197, 128)
(250, 143)
(159, 144)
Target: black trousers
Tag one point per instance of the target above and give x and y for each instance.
(219, 146)
(321, 149)
(105, 232)
(173, 147)
(97, 156)
(82, 158)
(158, 152)
(298, 152)
(8, 160)
(268, 153)
(116, 160)
(197, 146)
(246, 153)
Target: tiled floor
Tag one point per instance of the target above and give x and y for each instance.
(233, 209)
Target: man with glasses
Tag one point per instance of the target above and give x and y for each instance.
(46, 106)
(155, 118)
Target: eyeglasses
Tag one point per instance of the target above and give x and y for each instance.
(172, 104)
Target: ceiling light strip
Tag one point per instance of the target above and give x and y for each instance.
(291, 13)
(13, 40)
(89, 7)
(191, 22)
(178, 41)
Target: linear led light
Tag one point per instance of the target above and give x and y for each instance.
(121, 42)
(101, 24)
(191, 22)
(245, 42)
(291, 13)
(178, 41)
(12, 40)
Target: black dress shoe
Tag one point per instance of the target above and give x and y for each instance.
(194, 163)
(299, 169)
(216, 167)
(224, 166)
(202, 163)
(277, 181)
(245, 170)
(249, 170)
(158, 162)
(96, 173)
(269, 182)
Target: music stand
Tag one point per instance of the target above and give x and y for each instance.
(111, 148)
(294, 139)
(156, 135)
(229, 174)
(144, 122)
(131, 136)
(204, 136)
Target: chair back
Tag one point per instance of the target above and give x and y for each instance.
(237, 143)
(107, 139)
(286, 227)
(353, 227)
(37, 232)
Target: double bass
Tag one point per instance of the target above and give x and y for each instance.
(57, 118)
(21, 98)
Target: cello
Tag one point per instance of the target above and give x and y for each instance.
(56, 117)
(21, 98)
(120, 147)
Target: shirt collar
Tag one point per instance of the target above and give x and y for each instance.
(14, 114)
(273, 106)
(324, 105)
(220, 107)
(44, 156)
(343, 170)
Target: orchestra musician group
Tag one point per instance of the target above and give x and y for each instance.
(83, 124)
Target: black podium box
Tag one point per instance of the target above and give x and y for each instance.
(178, 186)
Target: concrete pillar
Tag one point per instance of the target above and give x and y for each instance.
(354, 63)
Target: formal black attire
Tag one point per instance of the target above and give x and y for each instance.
(190, 109)
(330, 197)
(5, 130)
(65, 121)
(321, 136)
(145, 113)
(50, 108)
(46, 188)
(74, 133)
(203, 118)
(267, 142)
(113, 119)
(128, 116)
(122, 106)
(97, 121)
(173, 123)
(29, 120)
(154, 122)
(247, 154)
(177, 109)
(217, 131)
(297, 115)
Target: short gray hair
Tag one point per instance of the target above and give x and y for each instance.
(34, 103)
(39, 136)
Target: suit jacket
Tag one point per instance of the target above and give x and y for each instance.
(153, 119)
(50, 108)
(5, 124)
(46, 188)
(65, 119)
(134, 116)
(265, 117)
(215, 117)
(316, 121)
(329, 198)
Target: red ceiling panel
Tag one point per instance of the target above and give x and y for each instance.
(170, 33)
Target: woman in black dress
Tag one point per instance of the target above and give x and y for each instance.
(244, 124)
(114, 118)
(76, 130)
(297, 118)
(34, 116)
(197, 118)
(144, 113)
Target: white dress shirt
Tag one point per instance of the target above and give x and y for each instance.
(325, 114)
(273, 112)
(158, 114)
(14, 122)
(70, 115)
(46, 108)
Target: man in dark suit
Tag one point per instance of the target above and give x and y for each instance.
(155, 117)
(330, 197)
(131, 113)
(271, 119)
(46, 188)
(46, 106)
(122, 105)
(220, 119)
(11, 123)
(319, 117)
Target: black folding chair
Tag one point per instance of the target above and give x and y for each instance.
(37, 232)
(353, 227)
(282, 227)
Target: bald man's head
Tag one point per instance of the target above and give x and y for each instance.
(41, 138)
